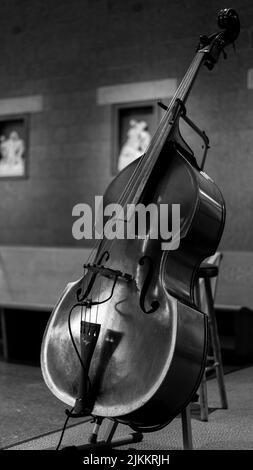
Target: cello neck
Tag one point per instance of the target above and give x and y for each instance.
(166, 126)
(209, 50)
(186, 84)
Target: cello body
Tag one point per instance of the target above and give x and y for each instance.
(127, 341)
(138, 355)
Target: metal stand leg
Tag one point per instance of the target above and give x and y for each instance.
(214, 360)
(110, 431)
(186, 428)
(203, 399)
(216, 345)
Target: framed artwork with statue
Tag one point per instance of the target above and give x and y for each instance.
(13, 146)
(134, 125)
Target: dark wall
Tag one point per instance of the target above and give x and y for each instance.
(64, 50)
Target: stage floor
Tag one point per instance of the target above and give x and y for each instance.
(31, 418)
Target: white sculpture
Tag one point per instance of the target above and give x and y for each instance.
(12, 150)
(138, 139)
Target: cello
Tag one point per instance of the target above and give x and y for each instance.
(127, 341)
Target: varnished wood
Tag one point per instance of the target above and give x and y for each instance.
(145, 367)
(149, 348)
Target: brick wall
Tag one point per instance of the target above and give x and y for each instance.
(64, 50)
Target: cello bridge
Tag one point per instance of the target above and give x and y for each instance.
(107, 272)
(96, 269)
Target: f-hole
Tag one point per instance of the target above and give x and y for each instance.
(154, 304)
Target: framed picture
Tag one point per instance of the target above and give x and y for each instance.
(13, 146)
(134, 125)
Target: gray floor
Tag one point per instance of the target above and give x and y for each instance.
(227, 429)
(27, 408)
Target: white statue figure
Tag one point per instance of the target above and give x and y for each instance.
(138, 139)
(3, 147)
(12, 150)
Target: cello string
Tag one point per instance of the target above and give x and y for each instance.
(179, 94)
(149, 163)
(99, 293)
(148, 157)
